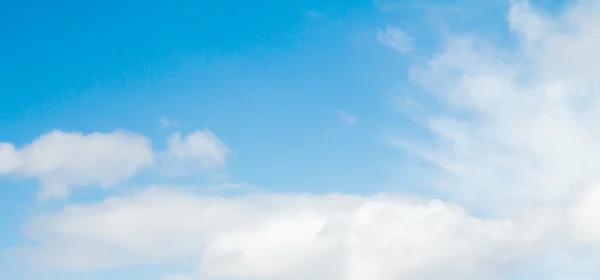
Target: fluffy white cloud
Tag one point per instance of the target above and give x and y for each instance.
(395, 39)
(201, 146)
(295, 236)
(61, 160)
(516, 126)
(280, 236)
(199, 150)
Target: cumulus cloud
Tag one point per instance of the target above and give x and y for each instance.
(62, 160)
(201, 146)
(197, 151)
(395, 39)
(295, 236)
(272, 236)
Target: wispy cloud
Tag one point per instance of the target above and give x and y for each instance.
(395, 39)
(516, 126)
(314, 14)
(166, 122)
(385, 5)
(345, 116)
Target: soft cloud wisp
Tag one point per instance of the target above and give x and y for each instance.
(519, 127)
(395, 39)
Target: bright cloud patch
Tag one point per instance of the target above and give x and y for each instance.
(295, 236)
(516, 126)
(201, 146)
(197, 151)
(280, 236)
(61, 160)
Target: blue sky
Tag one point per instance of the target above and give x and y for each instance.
(287, 98)
(215, 65)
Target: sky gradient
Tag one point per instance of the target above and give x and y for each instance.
(284, 140)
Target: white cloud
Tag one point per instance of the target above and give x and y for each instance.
(347, 117)
(280, 236)
(518, 127)
(197, 151)
(202, 146)
(62, 160)
(395, 39)
(295, 236)
(179, 276)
